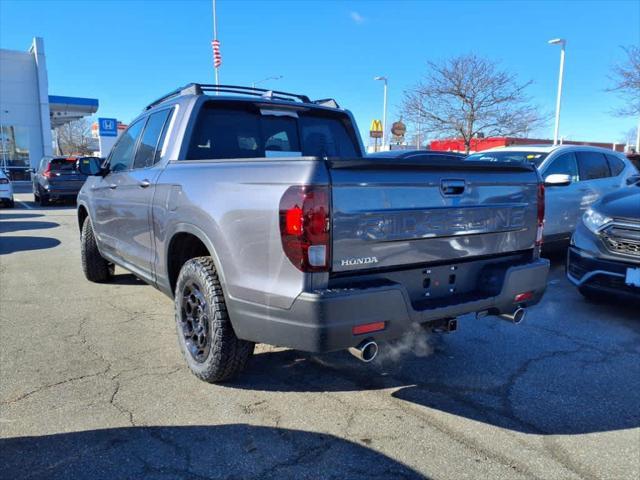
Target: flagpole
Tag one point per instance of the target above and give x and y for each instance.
(215, 37)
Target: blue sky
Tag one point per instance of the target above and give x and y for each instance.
(127, 53)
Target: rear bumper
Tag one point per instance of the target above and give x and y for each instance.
(61, 192)
(323, 321)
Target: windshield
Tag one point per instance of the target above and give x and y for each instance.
(508, 156)
(243, 131)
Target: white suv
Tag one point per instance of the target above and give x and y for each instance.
(6, 190)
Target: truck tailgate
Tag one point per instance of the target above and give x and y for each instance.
(389, 213)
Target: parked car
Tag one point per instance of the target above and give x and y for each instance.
(260, 215)
(419, 154)
(57, 178)
(604, 256)
(6, 190)
(575, 177)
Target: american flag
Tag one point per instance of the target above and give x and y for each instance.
(217, 56)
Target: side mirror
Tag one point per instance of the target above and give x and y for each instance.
(32, 170)
(91, 166)
(557, 180)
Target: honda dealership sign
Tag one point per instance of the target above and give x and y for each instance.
(107, 127)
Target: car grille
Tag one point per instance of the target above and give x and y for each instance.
(623, 239)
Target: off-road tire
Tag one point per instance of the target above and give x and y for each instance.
(227, 354)
(95, 267)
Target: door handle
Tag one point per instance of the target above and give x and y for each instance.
(113, 186)
(144, 183)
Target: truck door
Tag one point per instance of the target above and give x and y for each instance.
(106, 193)
(131, 218)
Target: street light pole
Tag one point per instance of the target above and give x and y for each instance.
(272, 77)
(562, 42)
(384, 110)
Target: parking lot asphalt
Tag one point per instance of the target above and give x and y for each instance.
(92, 385)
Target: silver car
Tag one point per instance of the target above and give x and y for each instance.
(575, 177)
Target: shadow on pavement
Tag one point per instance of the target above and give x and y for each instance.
(236, 451)
(541, 378)
(6, 227)
(13, 244)
(19, 216)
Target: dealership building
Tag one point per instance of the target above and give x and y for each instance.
(28, 113)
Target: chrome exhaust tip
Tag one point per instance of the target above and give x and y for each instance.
(516, 317)
(366, 351)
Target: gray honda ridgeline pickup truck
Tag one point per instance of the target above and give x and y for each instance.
(259, 213)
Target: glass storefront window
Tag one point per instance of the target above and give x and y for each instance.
(14, 151)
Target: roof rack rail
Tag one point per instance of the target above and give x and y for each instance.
(199, 89)
(258, 92)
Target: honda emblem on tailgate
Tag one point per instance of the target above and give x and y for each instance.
(349, 262)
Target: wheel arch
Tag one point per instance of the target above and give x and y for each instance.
(82, 213)
(186, 242)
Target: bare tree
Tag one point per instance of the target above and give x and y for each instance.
(468, 95)
(626, 78)
(74, 138)
(628, 137)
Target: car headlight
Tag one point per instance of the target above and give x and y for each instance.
(594, 220)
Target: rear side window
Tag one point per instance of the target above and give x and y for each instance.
(616, 165)
(226, 131)
(564, 164)
(151, 140)
(281, 135)
(122, 154)
(593, 165)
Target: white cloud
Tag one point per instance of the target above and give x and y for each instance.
(357, 18)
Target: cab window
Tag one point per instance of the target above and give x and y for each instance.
(122, 154)
(151, 139)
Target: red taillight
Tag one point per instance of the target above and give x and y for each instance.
(47, 173)
(523, 297)
(540, 228)
(367, 328)
(304, 227)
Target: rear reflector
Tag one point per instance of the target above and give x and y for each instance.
(523, 297)
(367, 328)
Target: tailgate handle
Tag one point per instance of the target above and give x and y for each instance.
(452, 187)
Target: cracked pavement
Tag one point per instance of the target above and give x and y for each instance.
(92, 385)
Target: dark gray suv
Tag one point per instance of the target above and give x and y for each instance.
(57, 178)
(604, 256)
